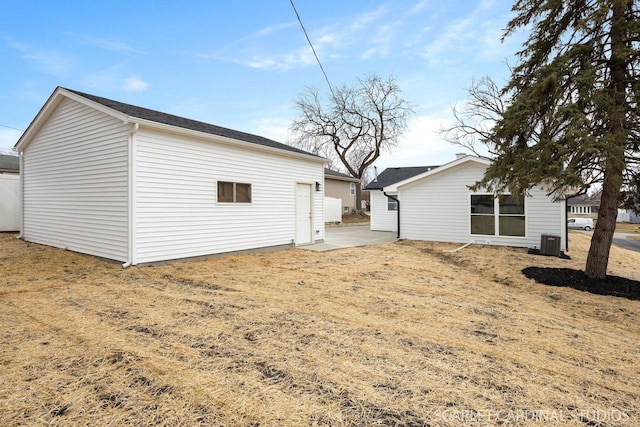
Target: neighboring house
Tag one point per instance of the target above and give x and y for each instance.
(9, 193)
(583, 206)
(9, 164)
(627, 215)
(341, 186)
(434, 203)
(138, 186)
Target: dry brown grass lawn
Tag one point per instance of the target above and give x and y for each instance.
(397, 334)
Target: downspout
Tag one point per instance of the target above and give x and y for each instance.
(130, 201)
(21, 234)
(398, 201)
(566, 227)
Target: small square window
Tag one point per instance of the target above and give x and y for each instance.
(225, 192)
(243, 193)
(392, 205)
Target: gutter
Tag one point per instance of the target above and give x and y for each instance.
(398, 201)
(130, 201)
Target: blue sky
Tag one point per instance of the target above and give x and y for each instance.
(241, 64)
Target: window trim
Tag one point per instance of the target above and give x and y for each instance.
(352, 188)
(496, 215)
(234, 193)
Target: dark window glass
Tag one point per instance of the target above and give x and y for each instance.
(392, 205)
(225, 192)
(243, 193)
(482, 204)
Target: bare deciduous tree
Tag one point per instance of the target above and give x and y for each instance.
(354, 125)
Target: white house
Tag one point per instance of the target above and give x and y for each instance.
(434, 203)
(136, 185)
(627, 215)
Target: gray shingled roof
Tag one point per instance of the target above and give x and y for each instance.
(337, 174)
(9, 162)
(391, 176)
(170, 119)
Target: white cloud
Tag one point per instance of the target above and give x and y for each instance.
(282, 62)
(382, 41)
(49, 61)
(422, 144)
(276, 128)
(113, 46)
(368, 32)
(418, 7)
(135, 84)
(474, 37)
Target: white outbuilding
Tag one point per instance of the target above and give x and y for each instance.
(136, 185)
(434, 203)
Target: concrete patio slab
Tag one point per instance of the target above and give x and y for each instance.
(349, 236)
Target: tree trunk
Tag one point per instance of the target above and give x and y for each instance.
(358, 197)
(602, 238)
(598, 257)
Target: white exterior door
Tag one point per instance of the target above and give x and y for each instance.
(303, 214)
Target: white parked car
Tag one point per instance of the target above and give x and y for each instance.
(580, 223)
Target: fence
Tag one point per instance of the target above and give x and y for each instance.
(332, 209)
(9, 202)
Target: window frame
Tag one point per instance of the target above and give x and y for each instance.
(234, 193)
(391, 202)
(497, 215)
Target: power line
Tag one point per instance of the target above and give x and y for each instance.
(11, 127)
(311, 44)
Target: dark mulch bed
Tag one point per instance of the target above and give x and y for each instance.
(576, 279)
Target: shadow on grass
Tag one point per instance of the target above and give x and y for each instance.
(576, 279)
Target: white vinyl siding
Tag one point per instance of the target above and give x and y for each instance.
(75, 182)
(437, 208)
(382, 219)
(177, 214)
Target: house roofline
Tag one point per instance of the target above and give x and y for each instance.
(224, 139)
(341, 178)
(59, 93)
(438, 170)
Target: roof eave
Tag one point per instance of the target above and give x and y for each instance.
(219, 138)
(438, 170)
(341, 178)
(60, 92)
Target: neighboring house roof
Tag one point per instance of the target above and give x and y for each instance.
(133, 113)
(328, 173)
(584, 200)
(391, 176)
(9, 163)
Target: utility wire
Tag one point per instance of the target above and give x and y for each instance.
(311, 44)
(11, 127)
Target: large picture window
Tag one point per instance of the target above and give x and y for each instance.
(234, 192)
(501, 216)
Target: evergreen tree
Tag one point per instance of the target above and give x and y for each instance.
(570, 116)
